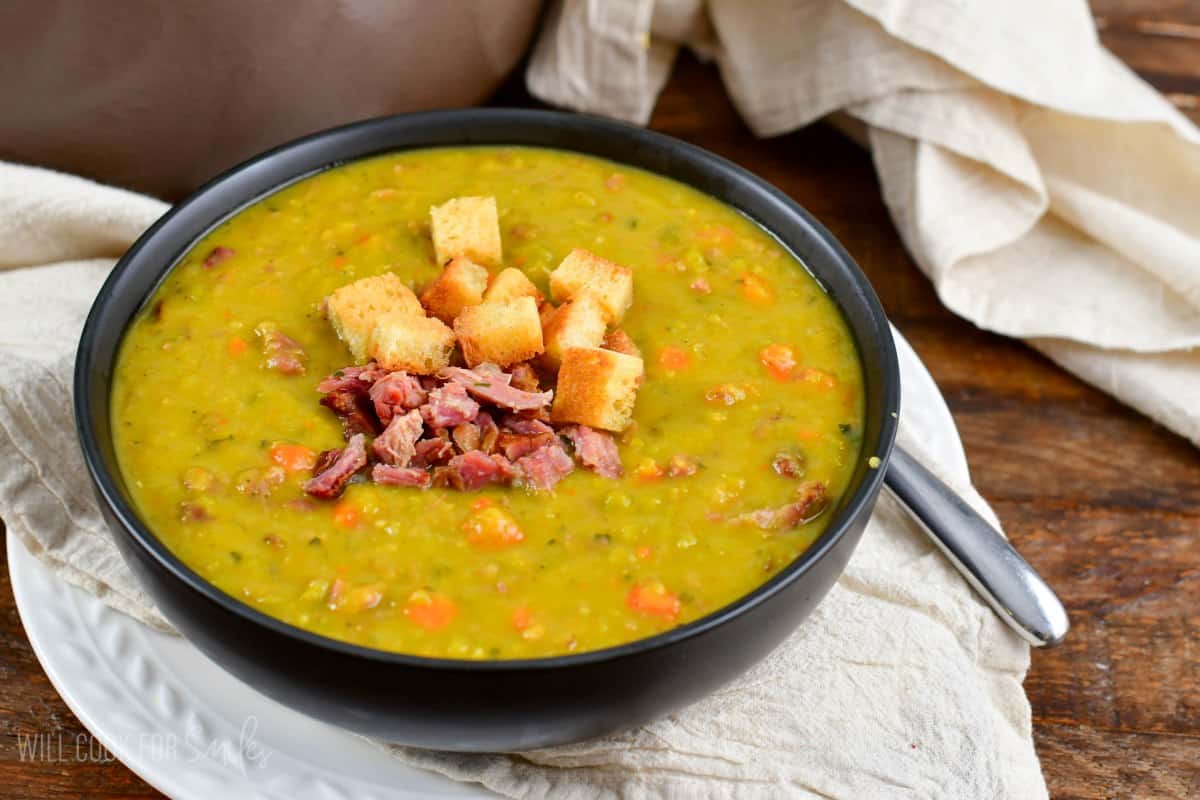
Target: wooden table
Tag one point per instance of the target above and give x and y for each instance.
(1104, 503)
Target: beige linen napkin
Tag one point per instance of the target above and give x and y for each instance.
(1046, 191)
(902, 684)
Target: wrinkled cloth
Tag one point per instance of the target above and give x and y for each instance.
(901, 684)
(1047, 192)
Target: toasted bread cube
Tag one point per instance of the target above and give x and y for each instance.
(619, 341)
(576, 323)
(353, 308)
(610, 283)
(500, 333)
(461, 284)
(417, 344)
(509, 285)
(467, 226)
(597, 388)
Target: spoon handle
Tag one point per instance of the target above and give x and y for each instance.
(985, 558)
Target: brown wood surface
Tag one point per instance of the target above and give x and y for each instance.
(1103, 502)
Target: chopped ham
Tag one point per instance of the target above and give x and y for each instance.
(516, 445)
(448, 406)
(486, 385)
(788, 464)
(332, 480)
(284, 354)
(387, 475)
(396, 445)
(595, 450)
(524, 378)
(810, 501)
(217, 256)
(351, 378)
(516, 423)
(544, 468)
(325, 460)
(475, 469)
(353, 407)
(432, 452)
(488, 431)
(395, 393)
(466, 437)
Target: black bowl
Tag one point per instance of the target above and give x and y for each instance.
(473, 705)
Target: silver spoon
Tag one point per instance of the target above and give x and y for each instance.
(985, 558)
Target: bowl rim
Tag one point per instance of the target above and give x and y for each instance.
(110, 494)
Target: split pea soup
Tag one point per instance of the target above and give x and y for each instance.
(753, 394)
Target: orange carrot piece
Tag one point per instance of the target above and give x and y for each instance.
(521, 617)
(492, 528)
(644, 551)
(648, 471)
(345, 514)
(237, 346)
(654, 600)
(293, 457)
(756, 289)
(431, 610)
(780, 361)
(675, 359)
(481, 504)
(339, 261)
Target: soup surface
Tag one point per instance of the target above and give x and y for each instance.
(745, 356)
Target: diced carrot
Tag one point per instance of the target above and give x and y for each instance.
(756, 289)
(654, 600)
(364, 239)
(674, 358)
(521, 617)
(644, 551)
(701, 285)
(648, 471)
(779, 359)
(818, 376)
(345, 514)
(614, 182)
(481, 503)
(493, 528)
(237, 346)
(808, 434)
(431, 610)
(294, 457)
(339, 261)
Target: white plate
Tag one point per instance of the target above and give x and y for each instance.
(193, 731)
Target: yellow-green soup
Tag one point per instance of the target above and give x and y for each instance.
(197, 412)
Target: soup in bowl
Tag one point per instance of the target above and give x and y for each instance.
(445, 437)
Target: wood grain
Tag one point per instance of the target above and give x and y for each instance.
(1103, 502)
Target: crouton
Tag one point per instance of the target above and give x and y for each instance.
(597, 388)
(619, 341)
(461, 284)
(414, 343)
(582, 271)
(353, 308)
(467, 226)
(509, 285)
(502, 333)
(576, 323)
